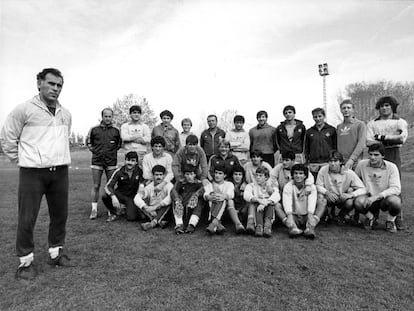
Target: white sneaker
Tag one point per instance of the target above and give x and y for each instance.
(94, 214)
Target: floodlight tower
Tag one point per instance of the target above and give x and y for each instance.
(323, 72)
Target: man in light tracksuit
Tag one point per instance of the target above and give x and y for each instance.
(36, 136)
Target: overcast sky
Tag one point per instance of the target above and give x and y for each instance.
(200, 57)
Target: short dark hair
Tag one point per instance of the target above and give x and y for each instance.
(318, 110)
(256, 153)
(289, 107)
(239, 169)
(131, 155)
(288, 155)
(191, 140)
(189, 168)
(135, 108)
(212, 115)
(220, 168)
(261, 112)
(166, 113)
(110, 109)
(42, 75)
(300, 168)
(238, 118)
(263, 170)
(158, 140)
(387, 99)
(336, 155)
(377, 147)
(158, 168)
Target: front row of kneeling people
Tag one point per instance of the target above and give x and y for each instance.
(253, 196)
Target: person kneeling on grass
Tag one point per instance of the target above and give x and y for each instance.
(382, 180)
(187, 205)
(338, 187)
(219, 194)
(121, 189)
(300, 208)
(155, 202)
(262, 198)
(239, 212)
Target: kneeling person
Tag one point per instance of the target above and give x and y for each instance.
(155, 202)
(382, 180)
(338, 187)
(262, 198)
(219, 194)
(300, 208)
(187, 201)
(127, 180)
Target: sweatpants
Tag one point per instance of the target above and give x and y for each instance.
(266, 213)
(52, 182)
(132, 211)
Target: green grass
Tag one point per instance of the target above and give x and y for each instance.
(120, 267)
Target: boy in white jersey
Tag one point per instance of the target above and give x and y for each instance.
(239, 140)
(338, 187)
(262, 197)
(154, 202)
(300, 208)
(382, 181)
(219, 194)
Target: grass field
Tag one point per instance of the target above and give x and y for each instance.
(120, 267)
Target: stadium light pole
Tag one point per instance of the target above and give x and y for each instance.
(323, 72)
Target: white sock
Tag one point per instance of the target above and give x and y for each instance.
(193, 220)
(391, 218)
(94, 206)
(369, 215)
(54, 251)
(27, 260)
(178, 220)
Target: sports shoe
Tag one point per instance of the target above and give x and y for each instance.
(211, 228)
(94, 214)
(163, 224)
(250, 227)
(62, 260)
(259, 231)
(267, 229)
(26, 273)
(309, 232)
(111, 218)
(294, 232)
(147, 225)
(240, 229)
(220, 228)
(391, 226)
(399, 223)
(368, 223)
(190, 229)
(179, 229)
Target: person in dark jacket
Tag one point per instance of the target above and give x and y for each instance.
(122, 187)
(290, 134)
(103, 141)
(320, 140)
(223, 158)
(211, 137)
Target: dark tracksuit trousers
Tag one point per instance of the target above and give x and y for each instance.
(132, 211)
(52, 182)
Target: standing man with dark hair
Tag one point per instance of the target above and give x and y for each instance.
(239, 140)
(390, 130)
(211, 137)
(103, 141)
(352, 135)
(36, 136)
(262, 138)
(320, 140)
(135, 134)
(290, 134)
(169, 132)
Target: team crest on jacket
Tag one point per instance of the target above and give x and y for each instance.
(231, 162)
(328, 134)
(300, 130)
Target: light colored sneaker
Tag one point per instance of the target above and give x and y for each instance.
(94, 214)
(111, 218)
(390, 226)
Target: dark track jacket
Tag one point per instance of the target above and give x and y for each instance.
(104, 142)
(296, 143)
